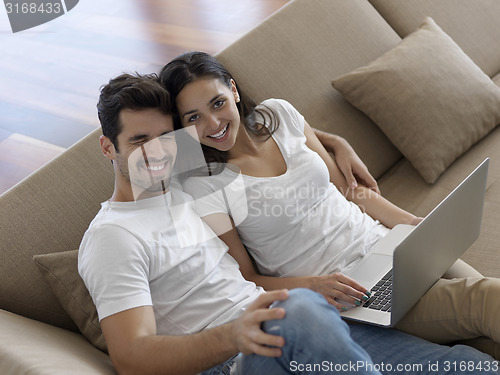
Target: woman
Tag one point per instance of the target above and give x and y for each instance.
(299, 226)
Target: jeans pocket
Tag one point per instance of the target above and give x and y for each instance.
(221, 369)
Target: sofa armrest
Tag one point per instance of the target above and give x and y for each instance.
(31, 347)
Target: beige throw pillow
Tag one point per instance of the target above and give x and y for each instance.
(428, 97)
(61, 272)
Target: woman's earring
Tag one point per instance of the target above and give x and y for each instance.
(237, 98)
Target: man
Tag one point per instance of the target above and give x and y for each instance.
(171, 307)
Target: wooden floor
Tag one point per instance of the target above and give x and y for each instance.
(50, 75)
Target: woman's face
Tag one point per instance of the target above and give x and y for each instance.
(210, 105)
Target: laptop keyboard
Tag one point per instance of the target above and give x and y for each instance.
(381, 294)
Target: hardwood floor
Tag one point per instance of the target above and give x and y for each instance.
(50, 75)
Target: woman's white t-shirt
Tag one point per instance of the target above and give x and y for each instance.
(294, 224)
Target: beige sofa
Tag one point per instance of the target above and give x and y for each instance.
(293, 55)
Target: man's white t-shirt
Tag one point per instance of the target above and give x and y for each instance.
(295, 224)
(136, 254)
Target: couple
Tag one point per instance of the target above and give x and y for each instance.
(167, 307)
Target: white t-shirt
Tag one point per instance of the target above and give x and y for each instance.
(136, 254)
(295, 224)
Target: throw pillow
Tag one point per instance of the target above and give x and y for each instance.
(61, 272)
(428, 97)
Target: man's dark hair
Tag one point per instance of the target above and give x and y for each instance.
(133, 92)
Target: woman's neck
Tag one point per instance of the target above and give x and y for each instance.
(245, 145)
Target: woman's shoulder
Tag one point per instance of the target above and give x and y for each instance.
(284, 111)
(276, 104)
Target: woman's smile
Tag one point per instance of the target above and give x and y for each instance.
(210, 105)
(221, 135)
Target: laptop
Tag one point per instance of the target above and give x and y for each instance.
(410, 259)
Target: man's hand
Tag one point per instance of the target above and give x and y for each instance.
(354, 170)
(349, 163)
(247, 334)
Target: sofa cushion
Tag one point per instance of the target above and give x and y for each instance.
(29, 347)
(61, 272)
(473, 25)
(428, 97)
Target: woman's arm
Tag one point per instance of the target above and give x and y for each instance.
(332, 287)
(369, 201)
(349, 163)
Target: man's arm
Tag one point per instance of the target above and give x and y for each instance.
(135, 348)
(370, 202)
(349, 163)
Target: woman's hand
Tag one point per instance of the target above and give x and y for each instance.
(339, 287)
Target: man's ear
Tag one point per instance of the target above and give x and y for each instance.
(107, 147)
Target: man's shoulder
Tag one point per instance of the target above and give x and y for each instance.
(105, 233)
(116, 223)
(107, 217)
(131, 214)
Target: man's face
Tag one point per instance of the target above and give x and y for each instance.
(146, 152)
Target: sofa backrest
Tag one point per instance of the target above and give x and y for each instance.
(297, 52)
(49, 212)
(473, 25)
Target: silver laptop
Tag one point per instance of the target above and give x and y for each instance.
(410, 259)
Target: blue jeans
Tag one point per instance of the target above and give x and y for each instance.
(318, 341)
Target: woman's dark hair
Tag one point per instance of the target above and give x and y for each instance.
(129, 91)
(191, 66)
